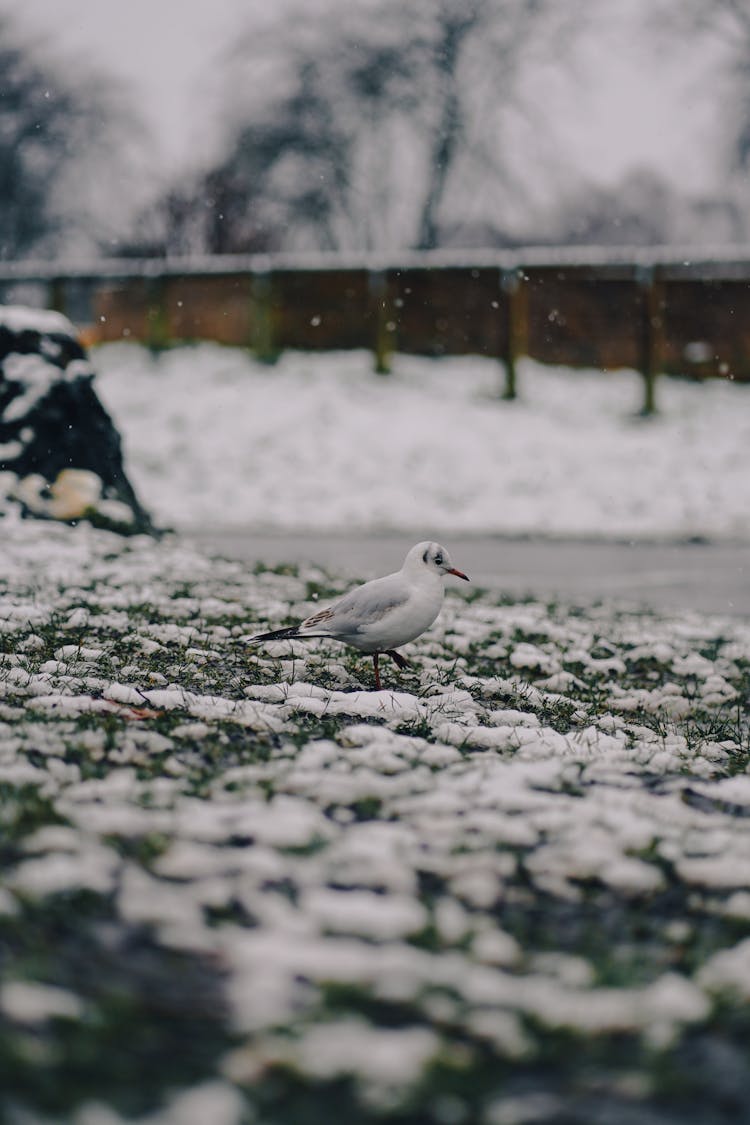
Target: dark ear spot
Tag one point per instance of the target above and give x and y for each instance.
(426, 555)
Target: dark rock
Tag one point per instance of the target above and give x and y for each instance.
(60, 453)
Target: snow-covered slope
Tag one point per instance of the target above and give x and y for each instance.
(213, 438)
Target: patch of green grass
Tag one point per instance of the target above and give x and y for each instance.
(285, 570)
(152, 1018)
(142, 849)
(366, 808)
(23, 810)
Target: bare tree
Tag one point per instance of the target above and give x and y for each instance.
(455, 26)
(53, 124)
(370, 127)
(641, 210)
(721, 31)
(725, 23)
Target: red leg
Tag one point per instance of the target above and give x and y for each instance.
(376, 664)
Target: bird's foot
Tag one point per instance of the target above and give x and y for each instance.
(399, 660)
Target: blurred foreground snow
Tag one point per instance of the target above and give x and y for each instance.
(524, 866)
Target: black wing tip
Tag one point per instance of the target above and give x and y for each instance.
(276, 635)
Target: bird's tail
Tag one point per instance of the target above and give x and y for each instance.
(277, 635)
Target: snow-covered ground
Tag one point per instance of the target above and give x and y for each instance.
(513, 886)
(213, 438)
(238, 885)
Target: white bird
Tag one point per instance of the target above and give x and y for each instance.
(384, 614)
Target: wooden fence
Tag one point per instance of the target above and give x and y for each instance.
(658, 312)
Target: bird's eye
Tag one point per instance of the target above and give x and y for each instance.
(438, 560)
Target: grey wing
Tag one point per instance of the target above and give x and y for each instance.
(364, 605)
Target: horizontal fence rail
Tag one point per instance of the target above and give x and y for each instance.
(659, 311)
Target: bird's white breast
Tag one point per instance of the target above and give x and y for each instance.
(405, 622)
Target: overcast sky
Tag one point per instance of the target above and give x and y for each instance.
(628, 106)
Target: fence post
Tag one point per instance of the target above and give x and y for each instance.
(384, 327)
(157, 318)
(56, 295)
(514, 286)
(261, 314)
(651, 325)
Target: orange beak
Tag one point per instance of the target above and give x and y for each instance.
(458, 574)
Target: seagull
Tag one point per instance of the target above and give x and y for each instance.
(384, 614)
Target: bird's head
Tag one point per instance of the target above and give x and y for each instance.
(433, 558)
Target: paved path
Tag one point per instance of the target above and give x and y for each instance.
(711, 577)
